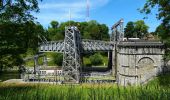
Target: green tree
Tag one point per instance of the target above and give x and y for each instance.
(140, 29)
(104, 30)
(88, 30)
(136, 29)
(129, 30)
(58, 59)
(163, 13)
(17, 31)
(54, 24)
(96, 59)
(17, 10)
(54, 32)
(96, 31)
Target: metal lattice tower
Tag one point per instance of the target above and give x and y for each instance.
(71, 57)
(118, 31)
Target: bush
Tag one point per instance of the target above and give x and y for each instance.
(58, 59)
(96, 59)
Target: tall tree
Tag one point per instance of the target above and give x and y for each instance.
(54, 24)
(16, 30)
(129, 30)
(163, 14)
(17, 10)
(136, 29)
(140, 29)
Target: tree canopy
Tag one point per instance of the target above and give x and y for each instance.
(129, 29)
(18, 32)
(136, 29)
(88, 30)
(163, 14)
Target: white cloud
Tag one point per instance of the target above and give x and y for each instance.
(60, 10)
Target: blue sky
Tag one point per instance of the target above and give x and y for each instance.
(104, 11)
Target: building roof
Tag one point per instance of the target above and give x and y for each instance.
(141, 43)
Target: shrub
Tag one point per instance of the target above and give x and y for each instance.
(58, 59)
(96, 59)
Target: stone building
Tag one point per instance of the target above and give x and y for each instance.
(138, 61)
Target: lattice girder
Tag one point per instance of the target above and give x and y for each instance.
(71, 57)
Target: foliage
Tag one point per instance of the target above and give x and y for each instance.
(163, 13)
(89, 30)
(54, 24)
(129, 30)
(17, 30)
(17, 11)
(136, 29)
(141, 29)
(96, 59)
(58, 59)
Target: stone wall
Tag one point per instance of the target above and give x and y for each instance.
(136, 63)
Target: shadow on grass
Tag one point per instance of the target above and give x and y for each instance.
(164, 79)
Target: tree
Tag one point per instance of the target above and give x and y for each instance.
(163, 13)
(17, 31)
(88, 30)
(140, 29)
(129, 30)
(17, 10)
(54, 24)
(58, 59)
(54, 32)
(136, 29)
(104, 30)
(96, 59)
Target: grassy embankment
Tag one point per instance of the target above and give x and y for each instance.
(86, 61)
(158, 89)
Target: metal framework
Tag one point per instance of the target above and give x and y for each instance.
(35, 58)
(87, 46)
(117, 36)
(118, 31)
(71, 57)
(72, 47)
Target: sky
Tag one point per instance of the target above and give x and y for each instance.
(103, 11)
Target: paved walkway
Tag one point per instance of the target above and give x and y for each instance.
(14, 81)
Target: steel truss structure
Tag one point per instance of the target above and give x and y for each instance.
(71, 57)
(118, 31)
(72, 47)
(87, 46)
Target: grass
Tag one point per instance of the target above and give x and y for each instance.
(87, 61)
(154, 90)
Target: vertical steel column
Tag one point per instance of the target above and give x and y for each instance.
(71, 57)
(121, 30)
(118, 35)
(45, 61)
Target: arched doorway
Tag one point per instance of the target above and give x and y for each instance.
(146, 69)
